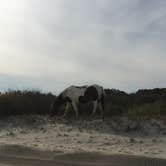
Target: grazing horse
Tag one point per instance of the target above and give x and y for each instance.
(74, 95)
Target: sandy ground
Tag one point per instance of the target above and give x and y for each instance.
(68, 136)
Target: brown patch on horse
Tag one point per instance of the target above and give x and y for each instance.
(91, 93)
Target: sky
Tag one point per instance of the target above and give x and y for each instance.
(49, 45)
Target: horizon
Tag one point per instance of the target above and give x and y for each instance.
(50, 45)
(58, 92)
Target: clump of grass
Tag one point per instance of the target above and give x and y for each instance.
(143, 103)
(155, 109)
(24, 102)
(116, 102)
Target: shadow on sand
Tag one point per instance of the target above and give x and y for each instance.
(15, 155)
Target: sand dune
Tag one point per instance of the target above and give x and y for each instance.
(33, 136)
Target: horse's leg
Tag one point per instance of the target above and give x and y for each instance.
(75, 108)
(101, 107)
(95, 104)
(66, 109)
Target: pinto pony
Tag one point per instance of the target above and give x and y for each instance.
(74, 95)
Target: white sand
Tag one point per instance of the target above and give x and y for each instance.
(79, 136)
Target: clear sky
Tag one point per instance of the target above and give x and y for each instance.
(51, 44)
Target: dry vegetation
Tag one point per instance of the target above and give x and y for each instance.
(24, 102)
(142, 103)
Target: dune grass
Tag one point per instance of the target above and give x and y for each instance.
(149, 103)
(24, 102)
(142, 103)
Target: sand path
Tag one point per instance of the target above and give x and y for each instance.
(22, 156)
